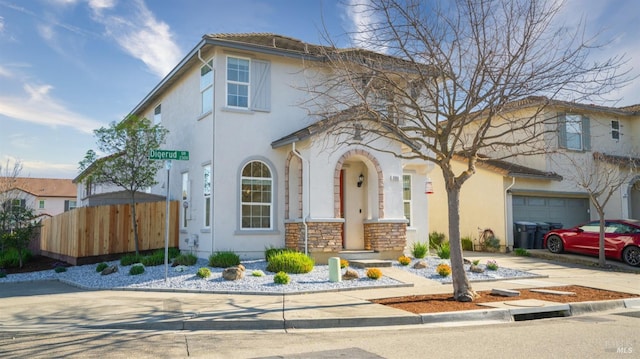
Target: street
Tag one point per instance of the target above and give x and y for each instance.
(612, 334)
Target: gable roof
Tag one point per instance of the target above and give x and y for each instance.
(532, 101)
(623, 161)
(46, 187)
(511, 169)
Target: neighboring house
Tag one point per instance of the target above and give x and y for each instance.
(538, 188)
(260, 173)
(46, 196)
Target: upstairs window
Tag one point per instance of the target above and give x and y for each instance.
(157, 115)
(237, 82)
(574, 132)
(256, 196)
(615, 130)
(248, 84)
(206, 87)
(41, 204)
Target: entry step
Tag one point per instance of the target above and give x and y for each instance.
(370, 263)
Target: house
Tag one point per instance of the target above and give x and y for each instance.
(260, 173)
(46, 196)
(539, 188)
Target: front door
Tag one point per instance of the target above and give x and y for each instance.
(354, 204)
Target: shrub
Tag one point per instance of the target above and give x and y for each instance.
(224, 259)
(60, 269)
(281, 278)
(204, 272)
(522, 252)
(154, 259)
(490, 244)
(186, 259)
(174, 252)
(444, 251)
(436, 239)
(100, 267)
(137, 268)
(344, 263)
(443, 269)
(290, 262)
(476, 262)
(272, 251)
(419, 249)
(492, 264)
(3, 273)
(404, 260)
(11, 257)
(374, 273)
(257, 273)
(129, 259)
(467, 243)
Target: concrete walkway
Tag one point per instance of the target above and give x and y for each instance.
(57, 306)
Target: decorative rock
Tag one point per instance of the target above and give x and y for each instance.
(476, 269)
(505, 292)
(420, 264)
(109, 270)
(350, 274)
(180, 268)
(466, 261)
(233, 273)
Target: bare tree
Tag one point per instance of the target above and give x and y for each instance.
(601, 176)
(447, 85)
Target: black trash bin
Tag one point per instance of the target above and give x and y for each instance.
(524, 234)
(554, 225)
(541, 229)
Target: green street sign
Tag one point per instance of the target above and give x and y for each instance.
(169, 155)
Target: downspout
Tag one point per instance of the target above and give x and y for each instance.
(306, 192)
(213, 150)
(506, 206)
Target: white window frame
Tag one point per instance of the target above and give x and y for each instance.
(407, 201)
(41, 204)
(206, 87)
(239, 83)
(573, 126)
(157, 115)
(206, 192)
(243, 203)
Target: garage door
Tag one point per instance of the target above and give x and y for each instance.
(568, 211)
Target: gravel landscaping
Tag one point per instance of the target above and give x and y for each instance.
(316, 281)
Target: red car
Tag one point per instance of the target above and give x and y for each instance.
(622, 240)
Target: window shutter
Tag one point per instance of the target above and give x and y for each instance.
(260, 85)
(562, 130)
(586, 134)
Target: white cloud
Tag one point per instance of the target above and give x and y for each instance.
(40, 108)
(4, 72)
(46, 32)
(1, 24)
(361, 25)
(40, 169)
(140, 35)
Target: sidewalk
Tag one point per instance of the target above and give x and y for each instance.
(57, 306)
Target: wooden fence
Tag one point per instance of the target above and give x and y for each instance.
(88, 234)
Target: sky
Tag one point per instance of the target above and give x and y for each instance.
(68, 67)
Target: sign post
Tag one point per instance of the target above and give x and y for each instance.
(167, 156)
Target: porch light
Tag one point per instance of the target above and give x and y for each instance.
(360, 180)
(428, 186)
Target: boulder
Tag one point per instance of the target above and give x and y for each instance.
(109, 270)
(233, 273)
(422, 264)
(476, 269)
(466, 261)
(350, 274)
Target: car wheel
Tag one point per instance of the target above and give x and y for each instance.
(554, 244)
(631, 256)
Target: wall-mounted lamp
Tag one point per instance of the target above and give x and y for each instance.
(428, 186)
(360, 180)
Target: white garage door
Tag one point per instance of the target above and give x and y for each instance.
(568, 211)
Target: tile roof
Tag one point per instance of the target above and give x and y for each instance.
(511, 169)
(625, 161)
(46, 187)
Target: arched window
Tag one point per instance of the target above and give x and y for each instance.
(256, 196)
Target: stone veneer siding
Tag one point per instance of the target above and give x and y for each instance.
(322, 237)
(385, 236)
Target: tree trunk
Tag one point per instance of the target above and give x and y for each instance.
(134, 223)
(601, 258)
(462, 290)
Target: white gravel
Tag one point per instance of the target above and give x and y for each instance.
(316, 281)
